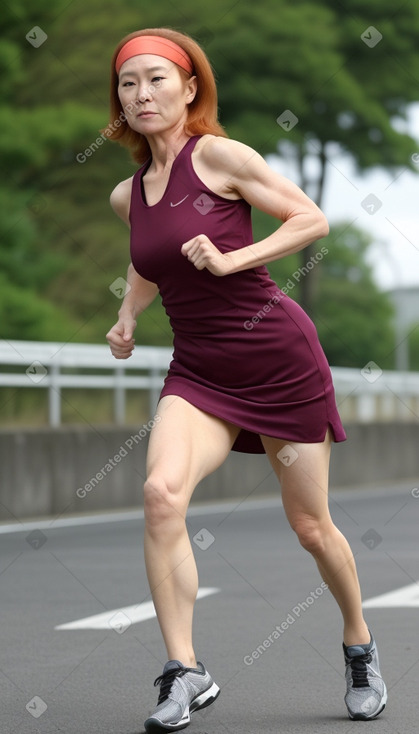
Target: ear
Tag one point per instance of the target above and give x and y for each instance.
(191, 89)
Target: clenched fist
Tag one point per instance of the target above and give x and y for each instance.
(202, 253)
(120, 337)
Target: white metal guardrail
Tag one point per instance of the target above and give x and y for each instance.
(370, 394)
(363, 395)
(55, 366)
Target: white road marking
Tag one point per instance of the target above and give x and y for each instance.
(407, 596)
(122, 618)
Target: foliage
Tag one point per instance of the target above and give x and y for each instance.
(413, 341)
(61, 246)
(23, 312)
(314, 62)
(354, 319)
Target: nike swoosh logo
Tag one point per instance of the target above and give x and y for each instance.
(180, 202)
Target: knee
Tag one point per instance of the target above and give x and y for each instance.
(162, 503)
(311, 534)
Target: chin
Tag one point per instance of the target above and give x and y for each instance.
(147, 123)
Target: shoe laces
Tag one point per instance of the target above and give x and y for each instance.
(359, 670)
(166, 681)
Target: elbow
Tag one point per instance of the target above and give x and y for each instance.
(322, 226)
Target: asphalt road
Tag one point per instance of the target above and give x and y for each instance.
(101, 680)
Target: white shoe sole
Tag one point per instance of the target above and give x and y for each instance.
(204, 699)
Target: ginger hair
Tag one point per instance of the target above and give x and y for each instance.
(202, 111)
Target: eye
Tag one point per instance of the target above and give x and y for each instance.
(156, 80)
(128, 84)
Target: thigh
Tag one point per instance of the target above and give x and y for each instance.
(303, 472)
(187, 444)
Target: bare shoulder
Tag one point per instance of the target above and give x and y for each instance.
(226, 153)
(245, 173)
(224, 164)
(120, 199)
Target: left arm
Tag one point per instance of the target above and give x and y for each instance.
(247, 175)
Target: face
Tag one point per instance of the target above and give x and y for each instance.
(154, 94)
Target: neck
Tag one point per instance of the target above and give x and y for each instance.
(166, 146)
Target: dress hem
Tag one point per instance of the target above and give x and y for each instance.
(248, 440)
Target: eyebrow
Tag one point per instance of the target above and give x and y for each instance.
(151, 68)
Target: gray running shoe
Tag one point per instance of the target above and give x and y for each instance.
(182, 691)
(366, 693)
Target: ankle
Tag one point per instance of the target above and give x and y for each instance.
(357, 635)
(188, 660)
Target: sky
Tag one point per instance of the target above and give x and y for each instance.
(390, 214)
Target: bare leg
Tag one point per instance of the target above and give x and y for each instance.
(186, 445)
(304, 485)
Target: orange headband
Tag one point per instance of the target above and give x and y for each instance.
(154, 45)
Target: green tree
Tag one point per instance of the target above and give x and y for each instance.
(354, 319)
(59, 238)
(346, 88)
(413, 342)
(33, 138)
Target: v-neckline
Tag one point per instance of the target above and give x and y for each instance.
(169, 180)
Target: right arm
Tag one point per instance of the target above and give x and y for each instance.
(140, 293)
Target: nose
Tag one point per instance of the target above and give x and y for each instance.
(145, 93)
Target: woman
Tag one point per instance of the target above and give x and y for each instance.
(264, 388)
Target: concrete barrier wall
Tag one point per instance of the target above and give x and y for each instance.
(71, 470)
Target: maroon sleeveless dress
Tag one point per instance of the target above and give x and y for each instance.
(243, 350)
